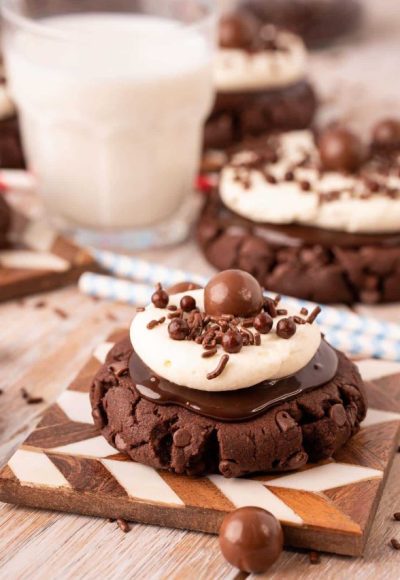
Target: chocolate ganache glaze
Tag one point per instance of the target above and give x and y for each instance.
(236, 405)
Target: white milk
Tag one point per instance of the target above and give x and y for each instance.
(112, 121)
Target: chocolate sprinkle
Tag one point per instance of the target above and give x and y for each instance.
(220, 368)
(313, 315)
(209, 353)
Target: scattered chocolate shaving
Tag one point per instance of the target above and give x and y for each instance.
(395, 544)
(123, 525)
(220, 367)
(152, 324)
(34, 400)
(396, 516)
(140, 309)
(1, 392)
(313, 314)
(281, 312)
(110, 520)
(257, 339)
(277, 299)
(40, 304)
(314, 557)
(60, 312)
(30, 400)
(172, 307)
(304, 311)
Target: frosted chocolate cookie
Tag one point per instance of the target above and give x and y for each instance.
(261, 80)
(222, 380)
(314, 217)
(318, 22)
(11, 155)
(5, 221)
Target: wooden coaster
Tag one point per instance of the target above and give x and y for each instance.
(39, 260)
(66, 465)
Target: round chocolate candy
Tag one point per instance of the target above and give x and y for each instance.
(263, 323)
(233, 292)
(238, 30)
(386, 133)
(340, 150)
(286, 328)
(251, 539)
(178, 329)
(160, 297)
(183, 287)
(187, 303)
(232, 341)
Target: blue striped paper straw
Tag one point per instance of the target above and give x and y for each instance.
(149, 273)
(109, 288)
(349, 341)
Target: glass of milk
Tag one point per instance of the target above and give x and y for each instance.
(112, 96)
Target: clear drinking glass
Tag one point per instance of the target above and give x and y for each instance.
(112, 96)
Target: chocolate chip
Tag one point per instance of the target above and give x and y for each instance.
(232, 341)
(188, 303)
(160, 297)
(338, 414)
(182, 438)
(286, 328)
(263, 323)
(270, 307)
(284, 421)
(178, 329)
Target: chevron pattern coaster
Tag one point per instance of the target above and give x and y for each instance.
(66, 465)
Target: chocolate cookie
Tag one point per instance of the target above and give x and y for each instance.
(318, 23)
(308, 262)
(5, 221)
(239, 115)
(309, 427)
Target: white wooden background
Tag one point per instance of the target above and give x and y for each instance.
(359, 81)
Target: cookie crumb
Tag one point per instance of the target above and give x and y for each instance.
(60, 312)
(123, 525)
(314, 557)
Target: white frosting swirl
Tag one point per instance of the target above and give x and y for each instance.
(285, 202)
(240, 70)
(181, 361)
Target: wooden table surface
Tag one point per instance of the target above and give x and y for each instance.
(364, 80)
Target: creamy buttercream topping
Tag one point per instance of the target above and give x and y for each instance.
(241, 70)
(329, 200)
(181, 362)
